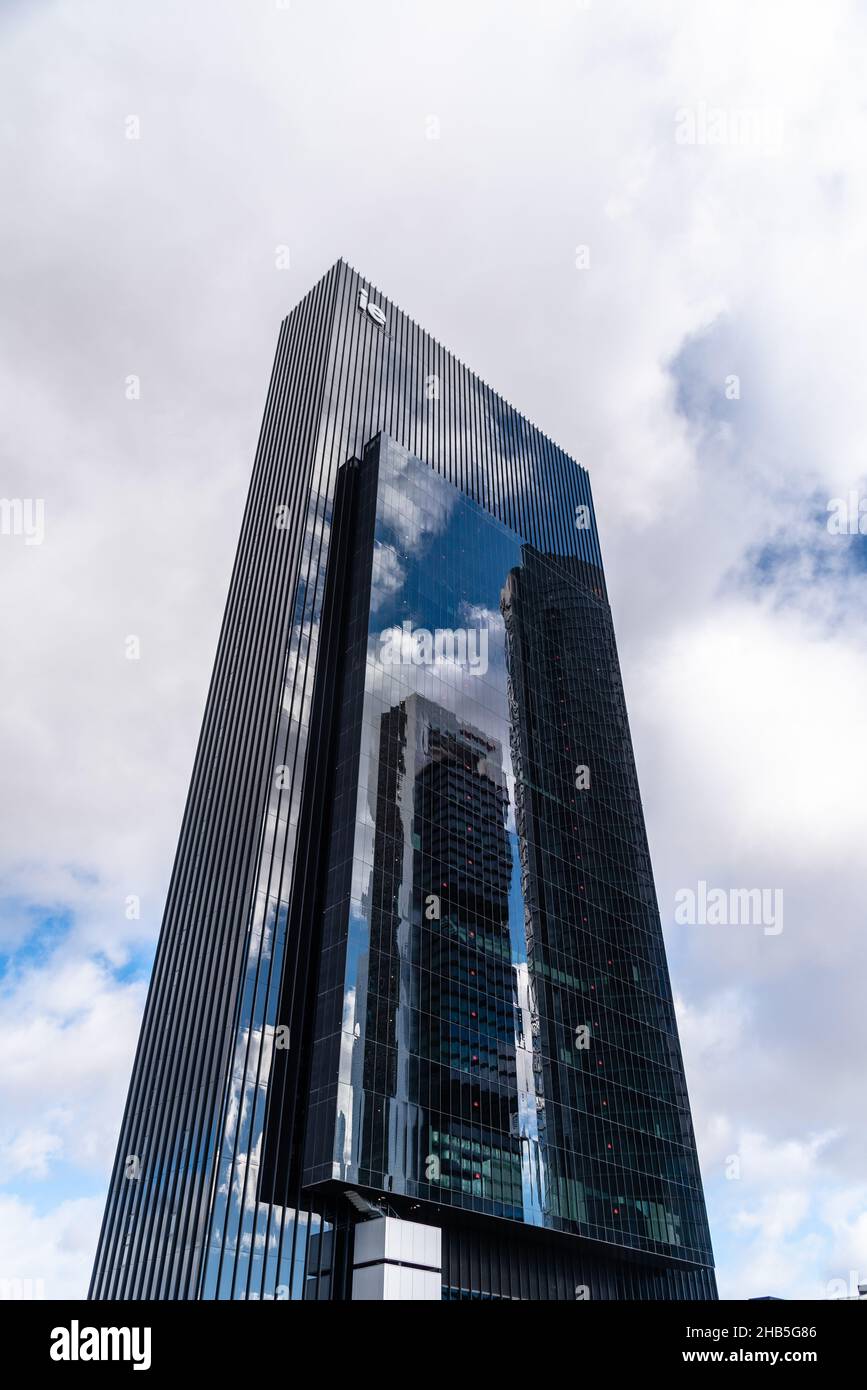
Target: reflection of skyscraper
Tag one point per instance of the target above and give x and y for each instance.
(440, 1032)
(392, 912)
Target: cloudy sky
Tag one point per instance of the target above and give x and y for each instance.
(645, 224)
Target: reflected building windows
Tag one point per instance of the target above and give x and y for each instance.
(512, 1037)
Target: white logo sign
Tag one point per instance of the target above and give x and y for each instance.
(372, 310)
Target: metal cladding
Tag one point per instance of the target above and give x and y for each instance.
(220, 1187)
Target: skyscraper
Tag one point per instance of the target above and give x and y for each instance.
(410, 1030)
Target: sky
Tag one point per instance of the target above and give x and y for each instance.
(645, 225)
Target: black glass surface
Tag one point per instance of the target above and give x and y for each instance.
(495, 1027)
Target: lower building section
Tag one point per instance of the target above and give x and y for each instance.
(395, 1261)
(397, 1252)
(493, 1265)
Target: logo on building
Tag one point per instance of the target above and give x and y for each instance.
(373, 311)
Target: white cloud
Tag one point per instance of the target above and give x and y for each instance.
(67, 1036)
(48, 1255)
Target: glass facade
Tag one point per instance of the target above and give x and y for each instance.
(406, 950)
(494, 1028)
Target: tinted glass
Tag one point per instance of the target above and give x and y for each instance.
(495, 1027)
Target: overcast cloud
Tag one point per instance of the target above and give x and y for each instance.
(644, 224)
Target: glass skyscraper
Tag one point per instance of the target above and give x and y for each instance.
(410, 1031)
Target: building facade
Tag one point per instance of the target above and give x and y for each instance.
(410, 1030)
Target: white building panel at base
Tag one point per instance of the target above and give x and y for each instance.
(397, 1260)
